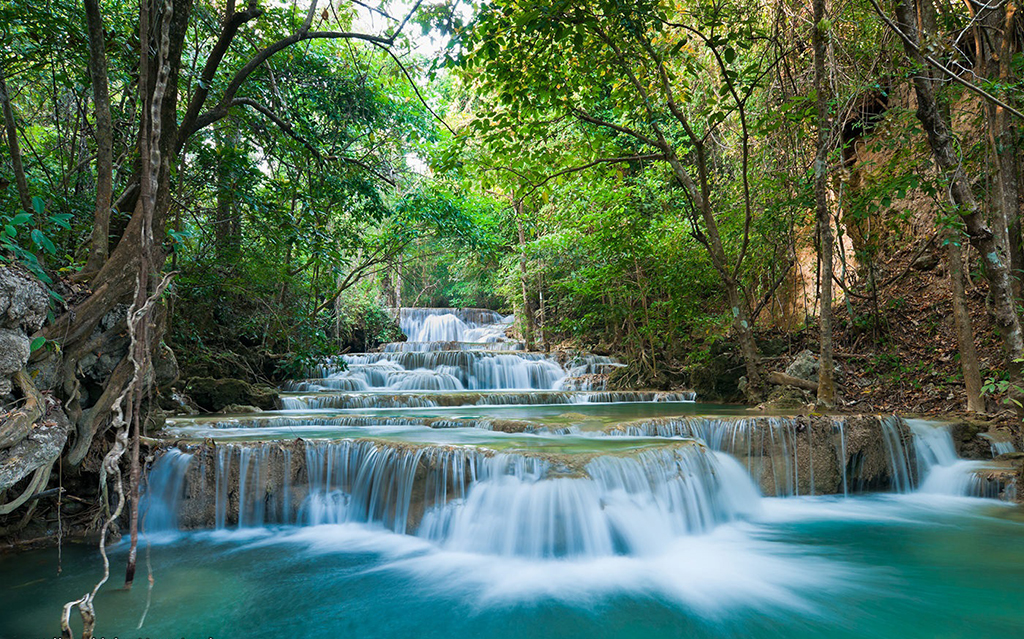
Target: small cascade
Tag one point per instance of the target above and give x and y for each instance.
(362, 401)
(163, 491)
(624, 506)
(789, 458)
(999, 445)
(437, 370)
(425, 325)
(900, 460)
(941, 471)
(419, 347)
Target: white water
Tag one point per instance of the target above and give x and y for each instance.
(531, 505)
(939, 468)
(163, 491)
(453, 325)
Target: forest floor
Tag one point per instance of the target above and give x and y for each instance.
(898, 352)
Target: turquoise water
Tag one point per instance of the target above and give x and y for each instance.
(907, 566)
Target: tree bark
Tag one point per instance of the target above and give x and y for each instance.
(964, 329)
(15, 149)
(940, 139)
(529, 318)
(228, 224)
(1003, 135)
(100, 240)
(826, 370)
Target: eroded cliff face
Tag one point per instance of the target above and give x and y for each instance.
(33, 427)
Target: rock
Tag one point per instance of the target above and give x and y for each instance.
(42, 446)
(214, 395)
(117, 316)
(14, 351)
(165, 367)
(787, 397)
(6, 386)
(804, 366)
(968, 441)
(925, 262)
(24, 301)
(240, 409)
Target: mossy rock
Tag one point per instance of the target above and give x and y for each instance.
(214, 395)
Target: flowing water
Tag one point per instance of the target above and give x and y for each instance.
(457, 485)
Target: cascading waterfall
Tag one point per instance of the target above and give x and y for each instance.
(469, 499)
(437, 370)
(470, 325)
(352, 401)
(672, 477)
(628, 506)
(164, 484)
(998, 445)
(941, 471)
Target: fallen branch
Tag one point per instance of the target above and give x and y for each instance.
(782, 379)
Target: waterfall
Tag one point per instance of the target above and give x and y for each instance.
(470, 499)
(940, 470)
(437, 370)
(425, 325)
(998, 445)
(351, 401)
(163, 491)
(899, 455)
(623, 506)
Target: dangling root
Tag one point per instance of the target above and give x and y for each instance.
(38, 482)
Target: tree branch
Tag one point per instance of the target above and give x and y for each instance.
(955, 77)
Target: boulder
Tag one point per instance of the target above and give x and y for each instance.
(24, 301)
(239, 409)
(14, 351)
(804, 366)
(214, 395)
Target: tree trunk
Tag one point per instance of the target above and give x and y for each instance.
(1003, 136)
(964, 329)
(529, 319)
(100, 240)
(940, 140)
(14, 147)
(826, 370)
(741, 323)
(228, 224)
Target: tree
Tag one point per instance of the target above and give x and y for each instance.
(651, 83)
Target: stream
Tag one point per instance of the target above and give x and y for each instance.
(456, 485)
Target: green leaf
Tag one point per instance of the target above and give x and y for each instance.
(38, 205)
(729, 54)
(21, 218)
(37, 343)
(43, 242)
(10, 230)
